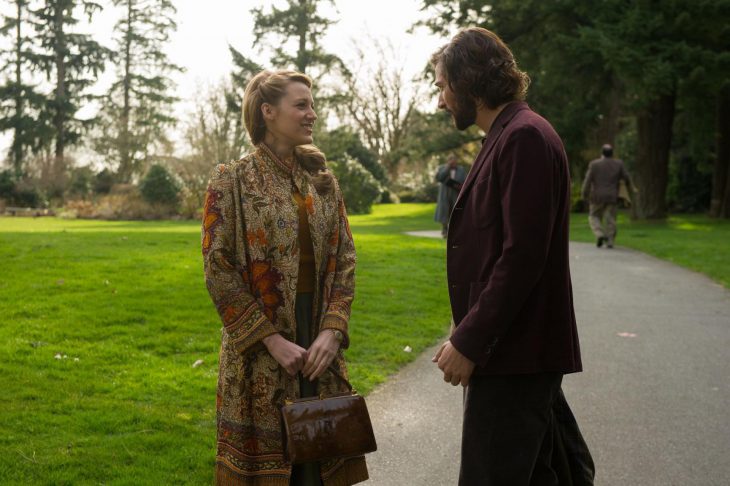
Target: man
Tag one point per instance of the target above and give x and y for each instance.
(601, 190)
(450, 178)
(509, 279)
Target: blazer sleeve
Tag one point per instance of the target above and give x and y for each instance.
(528, 177)
(342, 292)
(242, 316)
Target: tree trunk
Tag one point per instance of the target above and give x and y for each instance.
(60, 101)
(125, 158)
(720, 204)
(654, 126)
(18, 136)
(302, 31)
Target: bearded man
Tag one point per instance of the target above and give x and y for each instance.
(509, 278)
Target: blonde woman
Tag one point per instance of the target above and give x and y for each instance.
(279, 266)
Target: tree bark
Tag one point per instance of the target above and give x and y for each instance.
(18, 136)
(125, 159)
(60, 101)
(302, 31)
(654, 126)
(720, 203)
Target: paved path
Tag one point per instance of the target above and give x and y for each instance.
(653, 401)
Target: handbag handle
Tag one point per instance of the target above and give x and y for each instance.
(339, 375)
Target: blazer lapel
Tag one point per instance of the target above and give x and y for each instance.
(500, 122)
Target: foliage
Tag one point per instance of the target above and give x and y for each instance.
(21, 103)
(72, 61)
(19, 192)
(359, 188)
(159, 186)
(81, 182)
(600, 64)
(103, 181)
(342, 143)
(137, 109)
(125, 405)
(301, 22)
(380, 103)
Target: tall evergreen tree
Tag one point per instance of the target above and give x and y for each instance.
(639, 57)
(300, 22)
(20, 101)
(71, 61)
(138, 108)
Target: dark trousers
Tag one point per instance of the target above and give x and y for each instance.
(513, 435)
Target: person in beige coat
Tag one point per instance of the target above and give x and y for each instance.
(601, 190)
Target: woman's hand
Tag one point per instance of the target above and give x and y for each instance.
(289, 355)
(320, 354)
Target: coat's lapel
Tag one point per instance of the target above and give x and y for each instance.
(500, 122)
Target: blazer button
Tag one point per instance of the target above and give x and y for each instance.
(454, 247)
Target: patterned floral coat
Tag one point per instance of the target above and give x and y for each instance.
(251, 257)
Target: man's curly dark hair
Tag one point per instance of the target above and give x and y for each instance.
(478, 64)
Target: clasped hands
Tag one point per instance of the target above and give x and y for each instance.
(311, 362)
(457, 368)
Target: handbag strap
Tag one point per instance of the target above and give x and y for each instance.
(339, 375)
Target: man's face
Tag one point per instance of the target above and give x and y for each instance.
(462, 109)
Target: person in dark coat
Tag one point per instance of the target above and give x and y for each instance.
(601, 190)
(508, 273)
(450, 177)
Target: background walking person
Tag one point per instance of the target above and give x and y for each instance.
(450, 177)
(601, 190)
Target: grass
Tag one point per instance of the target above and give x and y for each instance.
(693, 241)
(124, 307)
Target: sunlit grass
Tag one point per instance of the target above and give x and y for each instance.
(123, 306)
(693, 241)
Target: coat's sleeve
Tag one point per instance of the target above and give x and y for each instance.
(242, 316)
(442, 174)
(587, 183)
(342, 292)
(529, 180)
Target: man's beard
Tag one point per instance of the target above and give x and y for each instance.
(464, 113)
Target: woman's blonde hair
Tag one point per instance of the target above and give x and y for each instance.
(270, 87)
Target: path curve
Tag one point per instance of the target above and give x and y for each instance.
(652, 401)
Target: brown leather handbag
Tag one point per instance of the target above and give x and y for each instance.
(322, 428)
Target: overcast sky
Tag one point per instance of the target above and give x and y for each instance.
(206, 27)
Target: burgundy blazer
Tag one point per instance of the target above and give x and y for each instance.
(507, 255)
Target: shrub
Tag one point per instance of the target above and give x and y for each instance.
(160, 187)
(359, 187)
(103, 182)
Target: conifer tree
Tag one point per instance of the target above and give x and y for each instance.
(72, 62)
(138, 108)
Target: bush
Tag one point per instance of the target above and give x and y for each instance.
(21, 193)
(103, 182)
(359, 187)
(160, 187)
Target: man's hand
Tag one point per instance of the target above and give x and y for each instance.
(320, 354)
(289, 355)
(457, 368)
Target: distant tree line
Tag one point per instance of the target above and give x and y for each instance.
(650, 76)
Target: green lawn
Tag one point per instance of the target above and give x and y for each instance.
(124, 306)
(693, 241)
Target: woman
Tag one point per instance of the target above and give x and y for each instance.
(279, 266)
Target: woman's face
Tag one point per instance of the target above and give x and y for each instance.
(291, 121)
